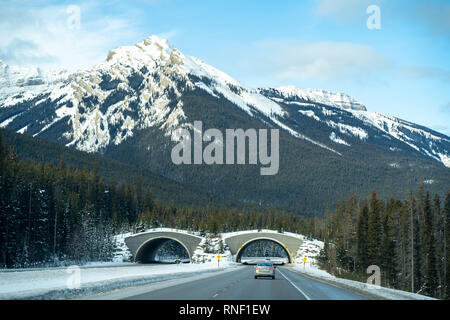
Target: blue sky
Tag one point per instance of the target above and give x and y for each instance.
(402, 69)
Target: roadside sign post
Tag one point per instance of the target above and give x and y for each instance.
(218, 260)
(304, 262)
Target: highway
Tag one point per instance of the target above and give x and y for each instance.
(237, 284)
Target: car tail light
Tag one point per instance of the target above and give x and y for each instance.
(271, 269)
(257, 268)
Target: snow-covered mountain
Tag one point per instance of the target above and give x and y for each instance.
(128, 107)
(139, 86)
(96, 101)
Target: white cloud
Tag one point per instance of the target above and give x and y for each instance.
(290, 60)
(43, 36)
(325, 62)
(20, 51)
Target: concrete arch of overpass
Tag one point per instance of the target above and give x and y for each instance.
(238, 242)
(143, 246)
(243, 246)
(146, 252)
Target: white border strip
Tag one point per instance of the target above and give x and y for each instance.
(293, 284)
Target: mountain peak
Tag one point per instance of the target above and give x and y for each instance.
(155, 40)
(152, 48)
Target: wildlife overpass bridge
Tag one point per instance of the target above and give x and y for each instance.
(144, 245)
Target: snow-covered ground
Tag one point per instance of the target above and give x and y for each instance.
(309, 249)
(210, 249)
(60, 283)
(121, 252)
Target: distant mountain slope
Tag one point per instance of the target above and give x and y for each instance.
(347, 119)
(16, 80)
(129, 106)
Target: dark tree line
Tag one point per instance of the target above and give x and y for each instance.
(52, 215)
(56, 213)
(409, 240)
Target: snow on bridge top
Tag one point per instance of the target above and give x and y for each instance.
(223, 235)
(226, 235)
(154, 230)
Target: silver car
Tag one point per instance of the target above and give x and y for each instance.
(265, 269)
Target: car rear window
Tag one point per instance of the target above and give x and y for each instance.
(265, 264)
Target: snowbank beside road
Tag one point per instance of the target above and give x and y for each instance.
(56, 283)
(311, 249)
(364, 288)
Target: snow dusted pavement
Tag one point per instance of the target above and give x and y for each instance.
(61, 283)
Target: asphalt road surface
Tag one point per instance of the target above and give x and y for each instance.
(239, 284)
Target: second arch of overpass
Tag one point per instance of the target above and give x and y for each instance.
(143, 245)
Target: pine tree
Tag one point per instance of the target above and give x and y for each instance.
(403, 247)
(438, 230)
(374, 230)
(362, 258)
(447, 245)
(148, 201)
(139, 196)
(428, 239)
(417, 248)
(222, 246)
(388, 257)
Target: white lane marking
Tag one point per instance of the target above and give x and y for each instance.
(295, 286)
(215, 295)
